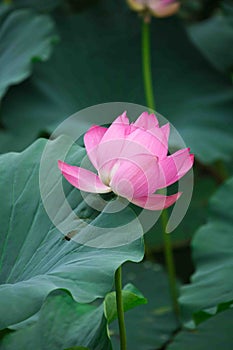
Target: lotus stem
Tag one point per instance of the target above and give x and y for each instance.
(146, 62)
(120, 309)
(170, 264)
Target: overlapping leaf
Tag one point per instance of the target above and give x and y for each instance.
(62, 323)
(24, 37)
(212, 283)
(214, 334)
(214, 37)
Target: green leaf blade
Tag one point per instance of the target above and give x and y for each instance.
(212, 283)
(24, 37)
(35, 259)
(215, 333)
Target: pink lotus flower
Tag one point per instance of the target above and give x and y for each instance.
(132, 161)
(158, 8)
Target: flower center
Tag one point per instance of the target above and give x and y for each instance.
(107, 174)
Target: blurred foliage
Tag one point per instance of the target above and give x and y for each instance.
(214, 38)
(212, 282)
(214, 334)
(38, 5)
(198, 10)
(188, 90)
(24, 38)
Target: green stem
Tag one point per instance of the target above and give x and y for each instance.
(170, 263)
(120, 308)
(146, 62)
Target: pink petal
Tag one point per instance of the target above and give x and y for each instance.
(112, 143)
(112, 151)
(118, 129)
(134, 177)
(154, 143)
(83, 179)
(146, 121)
(92, 139)
(166, 130)
(150, 123)
(156, 201)
(173, 167)
(161, 9)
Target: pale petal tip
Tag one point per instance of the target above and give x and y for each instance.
(147, 121)
(166, 130)
(124, 117)
(60, 164)
(121, 119)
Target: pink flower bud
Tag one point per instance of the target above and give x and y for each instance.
(157, 8)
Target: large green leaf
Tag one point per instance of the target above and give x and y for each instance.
(62, 323)
(212, 283)
(101, 62)
(214, 37)
(214, 334)
(35, 258)
(24, 37)
(148, 326)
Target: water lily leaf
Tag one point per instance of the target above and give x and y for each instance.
(212, 283)
(132, 297)
(62, 324)
(148, 326)
(95, 67)
(201, 316)
(24, 37)
(35, 257)
(214, 37)
(39, 5)
(215, 333)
